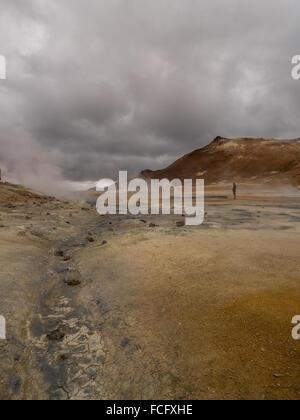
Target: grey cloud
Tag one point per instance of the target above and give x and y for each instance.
(99, 86)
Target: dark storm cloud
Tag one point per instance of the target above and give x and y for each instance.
(98, 86)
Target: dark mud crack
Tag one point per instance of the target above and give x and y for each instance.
(65, 351)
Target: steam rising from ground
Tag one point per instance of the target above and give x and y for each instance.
(31, 166)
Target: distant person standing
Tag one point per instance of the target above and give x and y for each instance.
(234, 188)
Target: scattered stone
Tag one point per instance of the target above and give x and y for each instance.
(152, 225)
(72, 279)
(104, 243)
(277, 375)
(59, 253)
(91, 239)
(63, 357)
(143, 221)
(125, 342)
(72, 282)
(55, 335)
(180, 224)
(67, 258)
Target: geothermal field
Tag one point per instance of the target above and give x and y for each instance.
(149, 203)
(143, 307)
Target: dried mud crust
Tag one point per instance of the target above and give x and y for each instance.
(145, 308)
(200, 322)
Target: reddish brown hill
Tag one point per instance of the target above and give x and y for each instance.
(245, 159)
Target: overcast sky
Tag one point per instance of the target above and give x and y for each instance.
(102, 85)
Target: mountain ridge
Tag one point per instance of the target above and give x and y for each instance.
(241, 159)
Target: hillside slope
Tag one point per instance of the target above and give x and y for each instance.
(10, 193)
(244, 159)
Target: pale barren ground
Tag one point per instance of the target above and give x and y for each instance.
(144, 312)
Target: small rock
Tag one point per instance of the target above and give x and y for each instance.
(55, 335)
(91, 239)
(125, 342)
(152, 225)
(59, 253)
(67, 258)
(72, 279)
(72, 282)
(180, 224)
(63, 357)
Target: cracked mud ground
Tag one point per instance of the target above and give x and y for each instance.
(111, 308)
